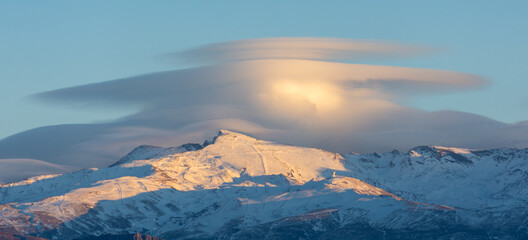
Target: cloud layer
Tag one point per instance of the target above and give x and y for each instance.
(17, 169)
(326, 49)
(281, 89)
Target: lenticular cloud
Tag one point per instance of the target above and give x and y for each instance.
(289, 90)
(320, 49)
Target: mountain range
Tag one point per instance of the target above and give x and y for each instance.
(239, 187)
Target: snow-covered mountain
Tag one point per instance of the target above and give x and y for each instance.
(239, 187)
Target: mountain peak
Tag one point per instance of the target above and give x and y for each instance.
(141, 152)
(227, 135)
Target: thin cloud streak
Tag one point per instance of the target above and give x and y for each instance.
(326, 49)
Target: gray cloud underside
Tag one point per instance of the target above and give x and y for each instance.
(98, 145)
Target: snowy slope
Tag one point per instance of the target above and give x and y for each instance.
(488, 188)
(463, 178)
(236, 186)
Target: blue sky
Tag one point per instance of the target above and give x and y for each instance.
(50, 45)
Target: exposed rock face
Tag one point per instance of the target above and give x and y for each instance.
(238, 187)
